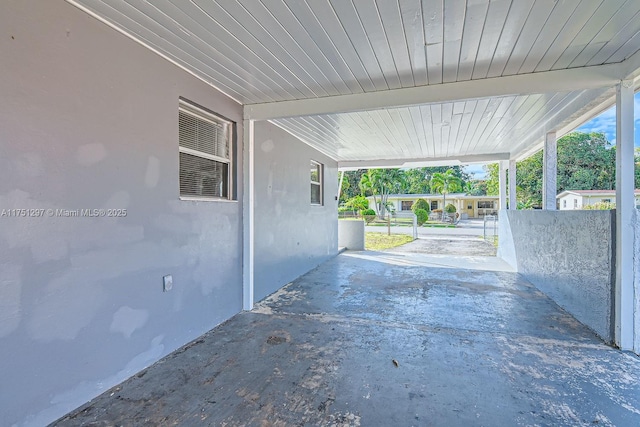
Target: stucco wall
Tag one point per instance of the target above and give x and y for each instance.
(291, 236)
(568, 256)
(88, 119)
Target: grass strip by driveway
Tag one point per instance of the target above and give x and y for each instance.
(380, 241)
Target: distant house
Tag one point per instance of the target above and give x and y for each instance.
(578, 199)
(471, 206)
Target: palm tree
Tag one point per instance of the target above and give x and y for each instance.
(367, 183)
(445, 183)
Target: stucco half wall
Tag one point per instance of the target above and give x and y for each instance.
(568, 255)
(292, 236)
(89, 120)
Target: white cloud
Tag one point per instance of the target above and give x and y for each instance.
(606, 122)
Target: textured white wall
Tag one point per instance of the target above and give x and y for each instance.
(569, 256)
(291, 236)
(88, 119)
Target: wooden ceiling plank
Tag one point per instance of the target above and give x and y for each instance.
(598, 20)
(292, 45)
(493, 27)
(549, 33)
(198, 39)
(434, 38)
(474, 24)
(413, 25)
(536, 21)
(564, 39)
(513, 26)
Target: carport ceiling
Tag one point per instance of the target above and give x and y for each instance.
(384, 82)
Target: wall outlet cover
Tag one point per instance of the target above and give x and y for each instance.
(167, 283)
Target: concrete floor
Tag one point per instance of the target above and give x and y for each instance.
(386, 339)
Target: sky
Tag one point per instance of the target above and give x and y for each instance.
(605, 123)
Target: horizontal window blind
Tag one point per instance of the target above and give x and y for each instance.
(204, 153)
(203, 177)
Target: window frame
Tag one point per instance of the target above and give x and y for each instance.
(319, 183)
(201, 113)
(492, 206)
(402, 205)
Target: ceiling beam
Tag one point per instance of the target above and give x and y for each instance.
(422, 162)
(522, 84)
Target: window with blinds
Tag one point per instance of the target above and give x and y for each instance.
(205, 153)
(316, 183)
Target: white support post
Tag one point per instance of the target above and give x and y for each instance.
(625, 206)
(549, 172)
(502, 182)
(248, 213)
(513, 204)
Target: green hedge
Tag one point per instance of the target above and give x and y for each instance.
(420, 204)
(422, 216)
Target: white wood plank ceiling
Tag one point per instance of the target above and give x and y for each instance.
(495, 58)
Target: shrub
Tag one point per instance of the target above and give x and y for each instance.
(422, 216)
(368, 215)
(450, 208)
(357, 203)
(420, 204)
(600, 206)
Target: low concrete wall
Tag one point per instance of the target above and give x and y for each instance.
(351, 234)
(568, 255)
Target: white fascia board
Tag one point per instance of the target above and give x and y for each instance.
(421, 162)
(522, 84)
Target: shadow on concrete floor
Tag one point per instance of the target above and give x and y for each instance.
(365, 341)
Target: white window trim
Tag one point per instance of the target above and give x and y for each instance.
(319, 183)
(189, 108)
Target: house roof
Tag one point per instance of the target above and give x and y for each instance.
(381, 83)
(592, 193)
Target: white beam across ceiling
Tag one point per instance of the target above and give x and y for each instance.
(522, 84)
(417, 163)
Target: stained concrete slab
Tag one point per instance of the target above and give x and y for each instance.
(449, 245)
(361, 341)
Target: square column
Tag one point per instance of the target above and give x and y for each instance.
(502, 183)
(513, 204)
(625, 207)
(549, 172)
(248, 202)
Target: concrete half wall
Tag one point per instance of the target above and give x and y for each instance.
(291, 235)
(569, 256)
(89, 120)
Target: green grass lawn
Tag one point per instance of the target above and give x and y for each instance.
(380, 241)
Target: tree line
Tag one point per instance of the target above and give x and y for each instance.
(586, 161)
(401, 181)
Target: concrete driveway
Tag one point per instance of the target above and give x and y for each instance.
(387, 339)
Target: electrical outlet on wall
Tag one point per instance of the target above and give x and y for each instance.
(167, 283)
